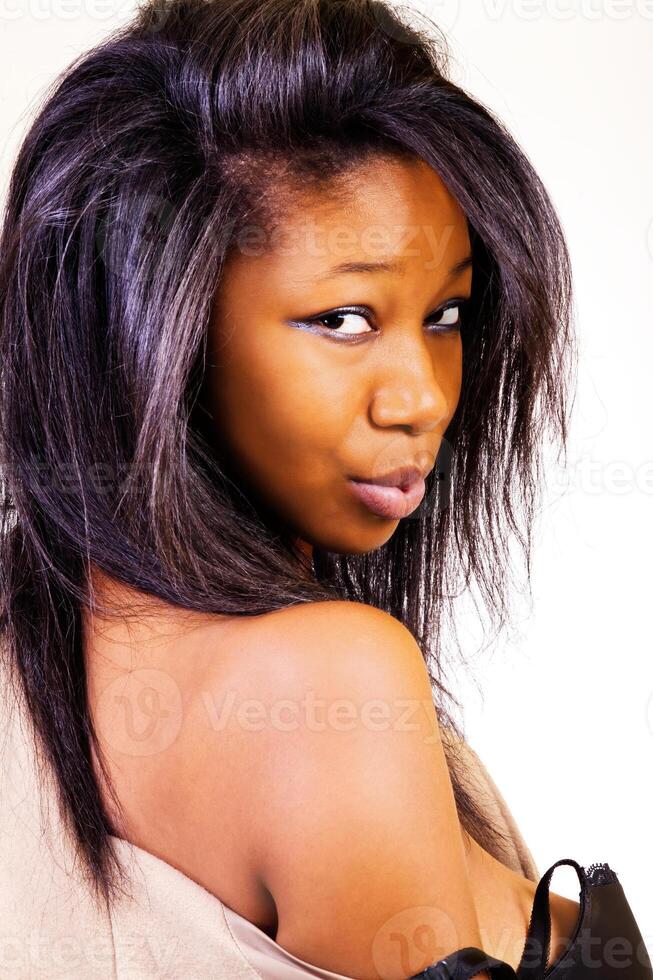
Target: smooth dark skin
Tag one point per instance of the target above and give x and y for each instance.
(299, 412)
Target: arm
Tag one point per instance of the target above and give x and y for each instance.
(356, 833)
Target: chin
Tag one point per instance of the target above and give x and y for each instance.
(359, 542)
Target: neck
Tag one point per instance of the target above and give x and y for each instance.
(304, 554)
(305, 547)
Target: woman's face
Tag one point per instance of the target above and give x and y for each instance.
(308, 392)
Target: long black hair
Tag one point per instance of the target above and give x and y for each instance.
(149, 155)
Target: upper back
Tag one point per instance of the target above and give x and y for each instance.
(198, 733)
(292, 763)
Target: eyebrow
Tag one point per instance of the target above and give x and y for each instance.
(352, 267)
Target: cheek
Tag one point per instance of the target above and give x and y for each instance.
(281, 410)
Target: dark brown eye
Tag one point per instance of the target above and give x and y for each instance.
(448, 318)
(343, 315)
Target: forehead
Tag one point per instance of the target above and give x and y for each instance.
(398, 212)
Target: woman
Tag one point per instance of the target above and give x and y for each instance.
(285, 318)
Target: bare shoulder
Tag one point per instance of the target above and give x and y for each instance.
(297, 678)
(328, 642)
(353, 827)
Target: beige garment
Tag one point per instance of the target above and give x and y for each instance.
(171, 928)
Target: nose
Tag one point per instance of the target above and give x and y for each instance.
(410, 394)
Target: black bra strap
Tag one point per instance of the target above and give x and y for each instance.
(538, 939)
(464, 964)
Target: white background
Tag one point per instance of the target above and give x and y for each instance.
(565, 720)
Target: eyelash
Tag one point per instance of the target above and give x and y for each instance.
(462, 304)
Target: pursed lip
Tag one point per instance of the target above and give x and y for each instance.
(394, 495)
